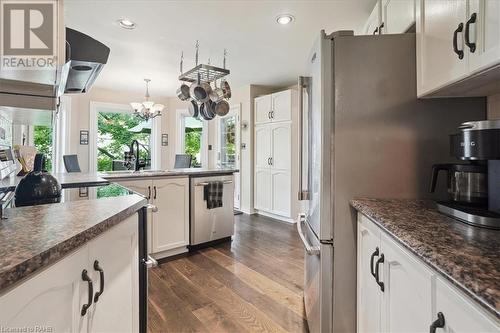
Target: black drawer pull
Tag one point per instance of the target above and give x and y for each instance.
(375, 31)
(472, 46)
(374, 254)
(460, 53)
(438, 323)
(85, 277)
(377, 276)
(101, 275)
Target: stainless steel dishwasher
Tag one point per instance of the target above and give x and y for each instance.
(209, 225)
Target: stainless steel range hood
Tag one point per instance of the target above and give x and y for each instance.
(85, 58)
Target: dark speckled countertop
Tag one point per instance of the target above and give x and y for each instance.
(36, 236)
(467, 256)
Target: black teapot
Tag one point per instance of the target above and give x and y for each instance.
(38, 187)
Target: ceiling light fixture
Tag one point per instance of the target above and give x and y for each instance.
(127, 24)
(147, 109)
(284, 19)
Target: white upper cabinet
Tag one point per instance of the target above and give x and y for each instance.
(484, 33)
(262, 109)
(440, 43)
(397, 15)
(281, 106)
(374, 20)
(457, 39)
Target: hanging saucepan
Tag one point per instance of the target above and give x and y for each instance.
(216, 94)
(221, 108)
(200, 91)
(209, 110)
(183, 92)
(203, 115)
(193, 109)
(226, 88)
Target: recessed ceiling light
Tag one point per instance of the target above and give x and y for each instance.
(127, 24)
(284, 19)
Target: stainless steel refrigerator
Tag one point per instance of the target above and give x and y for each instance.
(363, 134)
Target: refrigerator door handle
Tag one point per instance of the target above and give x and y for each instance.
(304, 83)
(310, 250)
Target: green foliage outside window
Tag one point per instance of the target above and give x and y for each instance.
(115, 138)
(43, 143)
(192, 143)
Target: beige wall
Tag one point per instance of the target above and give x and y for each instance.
(494, 106)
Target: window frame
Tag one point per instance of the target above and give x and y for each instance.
(181, 114)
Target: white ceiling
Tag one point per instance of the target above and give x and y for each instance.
(260, 50)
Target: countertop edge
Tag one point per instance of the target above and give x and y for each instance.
(26, 269)
(360, 207)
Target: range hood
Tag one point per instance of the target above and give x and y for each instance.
(85, 58)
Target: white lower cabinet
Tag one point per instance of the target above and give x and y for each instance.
(168, 225)
(52, 300)
(399, 293)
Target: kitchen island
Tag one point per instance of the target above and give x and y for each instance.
(407, 250)
(54, 259)
(180, 219)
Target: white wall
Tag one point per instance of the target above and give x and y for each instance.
(494, 106)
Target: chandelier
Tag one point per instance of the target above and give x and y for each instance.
(147, 109)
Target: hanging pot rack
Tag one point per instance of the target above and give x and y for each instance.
(203, 72)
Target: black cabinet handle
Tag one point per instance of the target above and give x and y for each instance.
(380, 28)
(472, 46)
(272, 114)
(269, 115)
(101, 276)
(374, 254)
(149, 192)
(268, 161)
(438, 323)
(154, 190)
(85, 277)
(271, 159)
(377, 276)
(375, 31)
(460, 53)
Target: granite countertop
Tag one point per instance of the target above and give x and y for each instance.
(74, 179)
(192, 172)
(467, 256)
(36, 236)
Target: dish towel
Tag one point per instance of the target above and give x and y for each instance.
(212, 194)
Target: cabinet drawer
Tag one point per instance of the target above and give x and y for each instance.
(459, 313)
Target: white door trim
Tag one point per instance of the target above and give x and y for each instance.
(95, 107)
(60, 134)
(180, 114)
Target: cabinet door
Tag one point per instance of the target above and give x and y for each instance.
(369, 299)
(263, 152)
(485, 33)
(170, 227)
(262, 109)
(282, 106)
(374, 20)
(460, 315)
(281, 147)
(262, 191)
(117, 308)
(404, 279)
(52, 298)
(281, 183)
(398, 16)
(439, 65)
(143, 187)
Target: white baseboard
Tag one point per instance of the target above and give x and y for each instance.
(246, 211)
(276, 217)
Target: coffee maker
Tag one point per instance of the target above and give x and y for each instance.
(473, 187)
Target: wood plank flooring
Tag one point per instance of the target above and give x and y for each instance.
(253, 284)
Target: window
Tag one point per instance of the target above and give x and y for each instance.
(43, 143)
(116, 131)
(192, 138)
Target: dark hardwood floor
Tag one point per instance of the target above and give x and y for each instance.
(253, 284)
